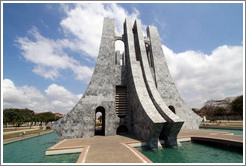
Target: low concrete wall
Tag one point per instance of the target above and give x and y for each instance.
(220, 141)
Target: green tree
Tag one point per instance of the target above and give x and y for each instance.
(237, 105)
(27, 114)
(46, 117)
(13, 116)
(219, 111)
(17, 116)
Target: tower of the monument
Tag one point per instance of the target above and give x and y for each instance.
(133, 91)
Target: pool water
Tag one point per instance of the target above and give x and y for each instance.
(235, 131)
(32, 150)
(64, 158)
(192, 152)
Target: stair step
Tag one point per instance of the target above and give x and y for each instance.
(121, 101)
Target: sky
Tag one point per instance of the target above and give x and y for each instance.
(50, 49)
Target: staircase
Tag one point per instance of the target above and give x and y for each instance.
(121, 101)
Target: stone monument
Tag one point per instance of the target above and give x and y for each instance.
(133, 91)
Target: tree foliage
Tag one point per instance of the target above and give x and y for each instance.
(233, 108)
(19, 116)
(219, 111)
(237, 105)
(46, 117)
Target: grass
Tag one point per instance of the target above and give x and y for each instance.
(223, 124)
(16, 135)
(12, 128)
(16, 129)
(6, 130)
(233, 125)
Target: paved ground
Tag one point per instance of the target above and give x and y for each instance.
(104, 149)
(113, 149)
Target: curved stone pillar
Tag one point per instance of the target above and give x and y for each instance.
(147, 121)
(165, 84)
(171, 129)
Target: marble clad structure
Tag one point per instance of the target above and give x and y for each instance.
(134, 91)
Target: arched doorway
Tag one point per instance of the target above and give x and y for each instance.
(100, 121)
(172, 108)
(119, 53)
(122, 130)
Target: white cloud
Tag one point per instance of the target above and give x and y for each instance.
(85, 22)
(49, 57)
(56, 98)
(82, 72)
(82, 27)
(200, 77)
(79, 95)
(61, 98)
(22, 97)
(120, 46)
(56, 92)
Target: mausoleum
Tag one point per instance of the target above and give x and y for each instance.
(133, 91)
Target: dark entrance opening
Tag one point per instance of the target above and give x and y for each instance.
(100, 121)
(172, 108)
(122, 130)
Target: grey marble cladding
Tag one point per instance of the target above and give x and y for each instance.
(143, 71)
(79, 122)
(166, 85)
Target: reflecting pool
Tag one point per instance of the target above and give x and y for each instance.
(193, 152)
(32, 150)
